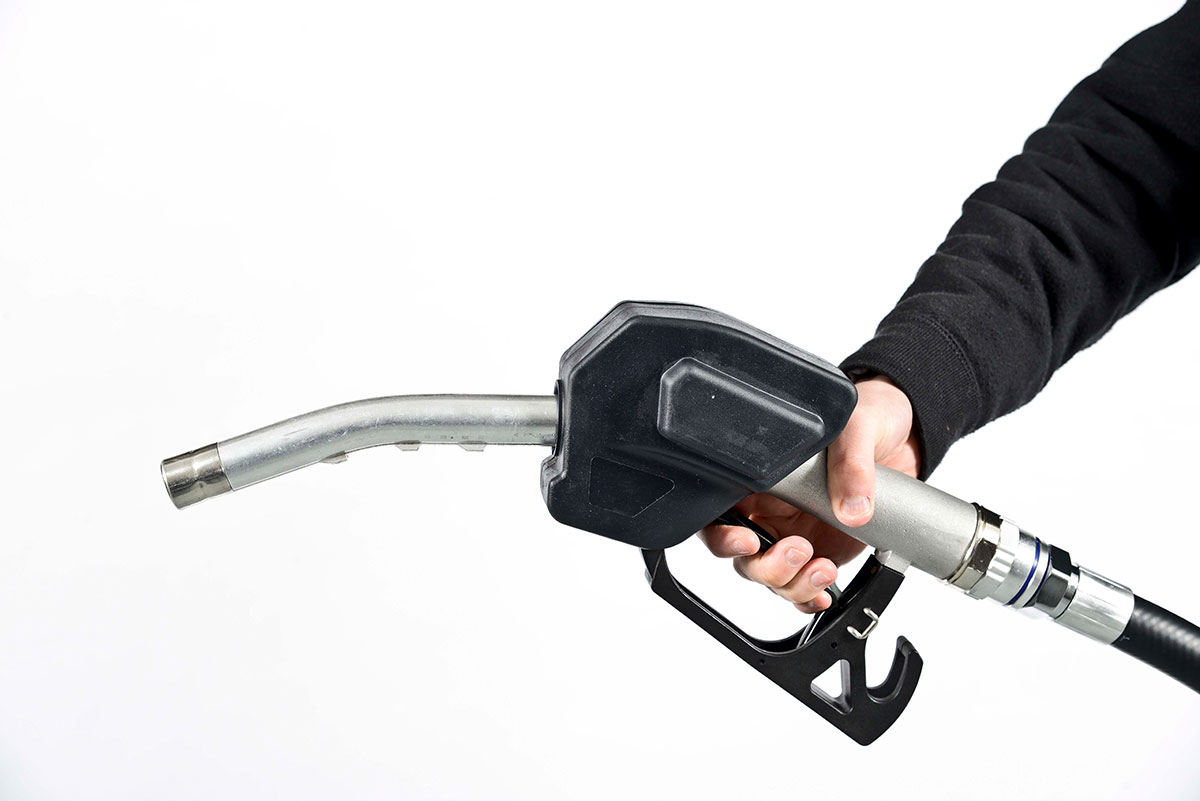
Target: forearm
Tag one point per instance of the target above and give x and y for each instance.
(1098, 212)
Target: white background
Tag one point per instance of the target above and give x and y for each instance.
(215, 215)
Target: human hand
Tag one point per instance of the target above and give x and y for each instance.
(806, 557)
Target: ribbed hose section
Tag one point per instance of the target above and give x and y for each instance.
(1163, 640)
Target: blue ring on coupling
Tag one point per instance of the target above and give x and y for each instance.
(1037, 552)
(1049, 569)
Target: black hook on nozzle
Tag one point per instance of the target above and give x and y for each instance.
(836, 635)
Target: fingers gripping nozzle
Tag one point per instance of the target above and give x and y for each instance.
(666, 415)
(670, 415)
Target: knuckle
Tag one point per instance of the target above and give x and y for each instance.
(826, 565)
(773, 580)
(722, 545)
(756, 569)
(856, 467)
(776, 576)
(803, 548)
(798, 595)
(720, 541)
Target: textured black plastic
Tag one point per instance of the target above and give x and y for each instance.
(1164, 640)
(836, 636)
(669, 414)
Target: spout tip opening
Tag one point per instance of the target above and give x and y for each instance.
(191, 477)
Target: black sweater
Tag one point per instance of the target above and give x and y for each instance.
(1099, 211)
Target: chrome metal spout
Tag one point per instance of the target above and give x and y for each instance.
(408, 421)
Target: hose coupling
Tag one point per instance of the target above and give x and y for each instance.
(1015, 568)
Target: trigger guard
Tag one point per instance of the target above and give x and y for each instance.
(838, 634)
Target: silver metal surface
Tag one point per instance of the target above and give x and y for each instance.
(1100, 608)
(981, 553)
(1068, 593)
(192, 477)
(1017, 569)
(919, 523)
(892, 559)
(471, 421)
(1060, 578)
(866, 632)
(1037, 560)
(1005, 540)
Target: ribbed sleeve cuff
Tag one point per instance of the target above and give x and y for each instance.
(929, 365)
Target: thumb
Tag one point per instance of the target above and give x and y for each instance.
(850, 471)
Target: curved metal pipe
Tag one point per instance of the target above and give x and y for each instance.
(328, 434)
(920, 524)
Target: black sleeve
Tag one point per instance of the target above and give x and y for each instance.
(1099, 211)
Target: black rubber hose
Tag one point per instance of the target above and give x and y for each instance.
(1163, 640)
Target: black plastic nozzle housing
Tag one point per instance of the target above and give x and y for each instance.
(669, 414)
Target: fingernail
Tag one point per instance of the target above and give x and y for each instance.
(857, 506)
(795, 557)
(741, 548)
(821, 580)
